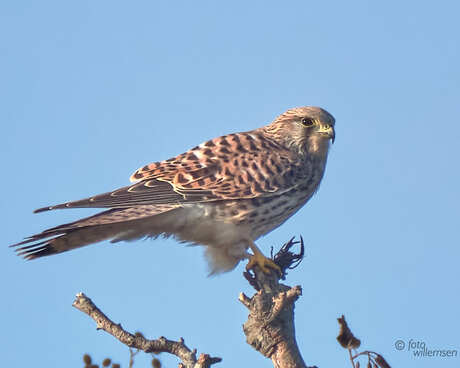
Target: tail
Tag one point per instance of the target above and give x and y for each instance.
(64, 240)
(115, 224)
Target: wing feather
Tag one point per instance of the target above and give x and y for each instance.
(236, 166)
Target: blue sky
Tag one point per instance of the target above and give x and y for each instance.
(92, 90)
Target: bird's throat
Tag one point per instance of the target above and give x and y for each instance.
(318, 145)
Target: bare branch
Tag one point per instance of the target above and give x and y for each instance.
(270, 325)
(269, 329)
(137, 341)
(245, 300)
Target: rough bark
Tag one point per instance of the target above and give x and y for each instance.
(270, 326)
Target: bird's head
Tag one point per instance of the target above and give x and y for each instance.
(306, 129)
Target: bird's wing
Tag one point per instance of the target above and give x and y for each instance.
(235, 166)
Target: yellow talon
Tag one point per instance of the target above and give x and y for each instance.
(264, 263)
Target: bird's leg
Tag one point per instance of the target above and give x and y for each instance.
(258, 259)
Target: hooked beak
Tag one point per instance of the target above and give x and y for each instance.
(328, 131)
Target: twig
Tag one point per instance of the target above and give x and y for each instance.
(137, 341)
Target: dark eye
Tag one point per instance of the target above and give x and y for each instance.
(308, 122)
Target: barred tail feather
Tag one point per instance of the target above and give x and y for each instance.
(67, 240)
(116, 224)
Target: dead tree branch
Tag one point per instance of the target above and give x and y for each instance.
(137, 341)
(270, 325)
(269, 329)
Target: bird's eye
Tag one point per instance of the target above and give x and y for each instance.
(307, 122)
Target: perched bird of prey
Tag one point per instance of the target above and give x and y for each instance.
(223, 194)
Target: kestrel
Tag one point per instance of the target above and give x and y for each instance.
(223, 194)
